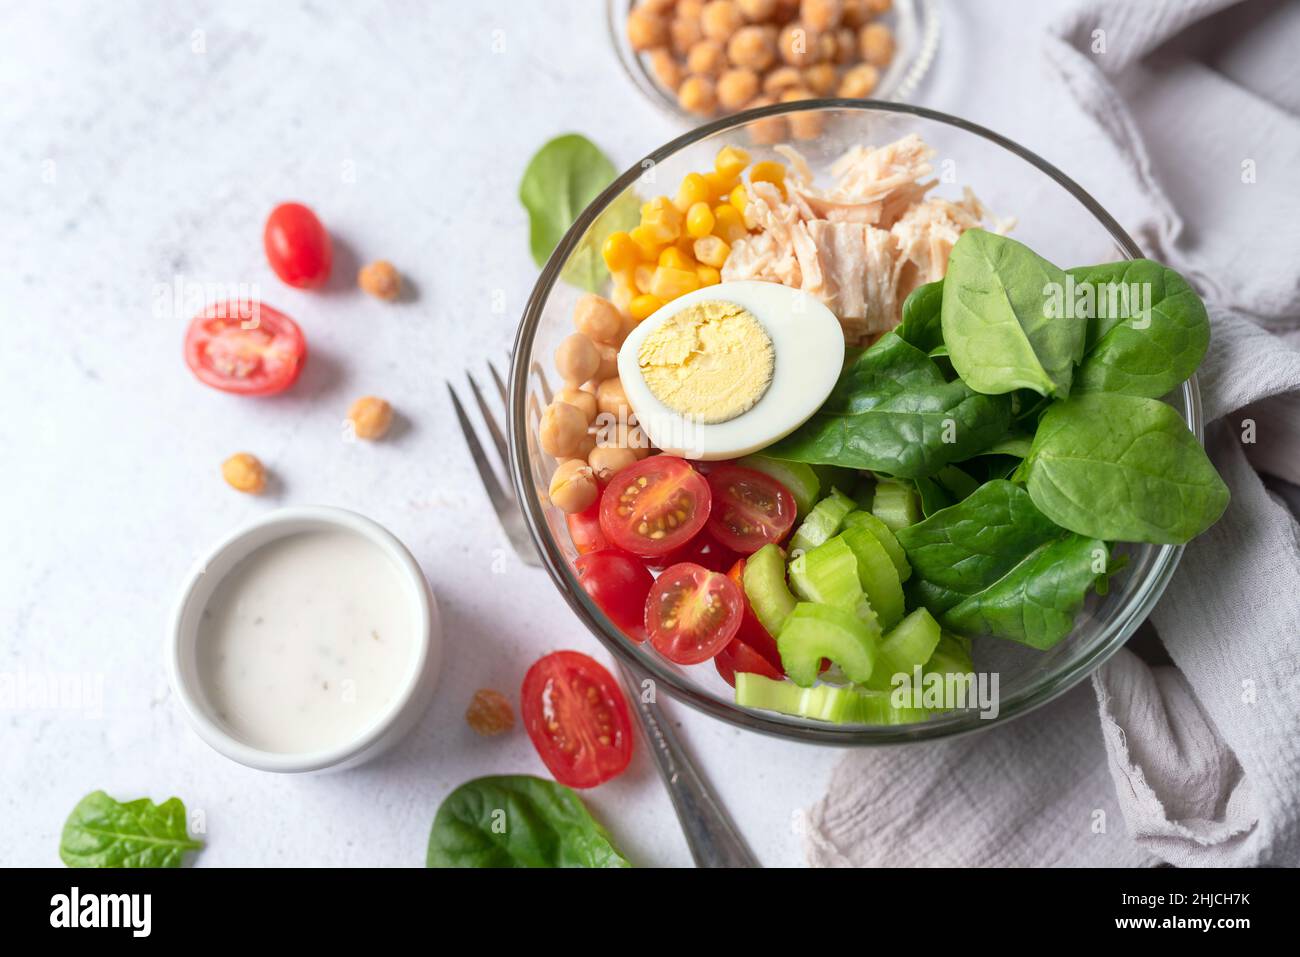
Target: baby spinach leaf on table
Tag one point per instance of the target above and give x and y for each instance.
(921, 325)
(1036, 602)
(564, 176)
(1129, 350)
(517, 820)
(1124, 469)
(964, 549)
(893, 412)
(103, 832)
(996, 321)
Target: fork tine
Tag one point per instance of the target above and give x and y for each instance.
(538, 371)
(493, 429)
(501, 386)
(494, 490)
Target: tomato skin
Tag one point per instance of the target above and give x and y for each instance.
(245, 347)
(650, 493)
(692, 613)
(584, 529)
(618, 583)
(297, 246)
(569, 702)
(703, 549)
(750, 509)
(739, 656)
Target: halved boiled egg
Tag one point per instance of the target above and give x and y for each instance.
(728, 369)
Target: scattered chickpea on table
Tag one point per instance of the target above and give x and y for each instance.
(244, 472)
(729, 55)
(371, 417)
(381, 280)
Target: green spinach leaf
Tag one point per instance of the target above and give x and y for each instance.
(102, 832)
(561, 180)
(1122, 468)
(921, 325)
(1149, 345)
(893, 412)
(1036, 602)
(518, 821)
(996, 320)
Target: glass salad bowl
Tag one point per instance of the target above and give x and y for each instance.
(1054, 216)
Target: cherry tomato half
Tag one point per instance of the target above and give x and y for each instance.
(297, 246)
(584, 529)
(245, 347)
(753, 649)
(703, 549)
(577, 719)
(750, 509)
(738, 656)
(619, 584)
(691, 613)
(654, 506)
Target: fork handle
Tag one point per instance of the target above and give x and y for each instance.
(710, 834)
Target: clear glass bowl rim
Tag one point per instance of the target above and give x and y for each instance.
(1136, 607)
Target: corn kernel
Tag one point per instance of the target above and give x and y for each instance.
(729, 225)
(619, 251)
(662, 219)
(674, 258)
(699, 221)
(686, 246)
(644, 305)
(645, 243)
(712, 251)
(768, 171)
(720, 186)
(669, 283)
(708, 276)
(739, 198)
(730, 161)
(694, 189)
(642, 276)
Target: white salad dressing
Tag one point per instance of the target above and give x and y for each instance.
(306, 642)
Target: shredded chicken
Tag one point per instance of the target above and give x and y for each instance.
(862, 245)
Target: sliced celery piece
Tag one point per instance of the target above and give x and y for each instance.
(877, 574)
(910, 644)
(813, 632)
(823, 521)
(886, 538)
(823, 702)
(799, 478)
(896, 505)
(765, 587)
(828, 574)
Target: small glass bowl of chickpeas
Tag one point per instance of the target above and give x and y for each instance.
(700, 59)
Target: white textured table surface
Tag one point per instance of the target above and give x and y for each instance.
(144, 145)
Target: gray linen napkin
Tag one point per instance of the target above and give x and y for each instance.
(1200, 101)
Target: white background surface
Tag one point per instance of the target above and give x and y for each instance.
(130, 161)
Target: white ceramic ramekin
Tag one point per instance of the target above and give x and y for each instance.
(182, 661)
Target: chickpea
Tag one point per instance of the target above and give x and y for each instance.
(611, 399)
(875, 8)
(685, 32)
(606, 461)
(786, 10)
(853, 14)
(806, 125)
(706, 58)
(573, 486)
(244, 472)
(770, 129)
(876, 44)
(371, 417)
(623, 436)
(781, 79)
(646, 29)
(846, 46)
(381, 279)
(757, 11)
(608, 368)
(576, 358)
(584, 449)
(690, 8)
(562, 430)
(719, 19)
(799, 46)
(821, 14)
(821, 79)
(753, 47)
(580, 399)
(697, 95)
(665, 67)
(859, 81)
(737, 87)
(597, 318)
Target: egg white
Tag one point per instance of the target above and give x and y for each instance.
(809, 348)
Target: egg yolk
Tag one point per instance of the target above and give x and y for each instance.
(710, 362)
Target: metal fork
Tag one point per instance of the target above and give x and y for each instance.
(710, 833)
